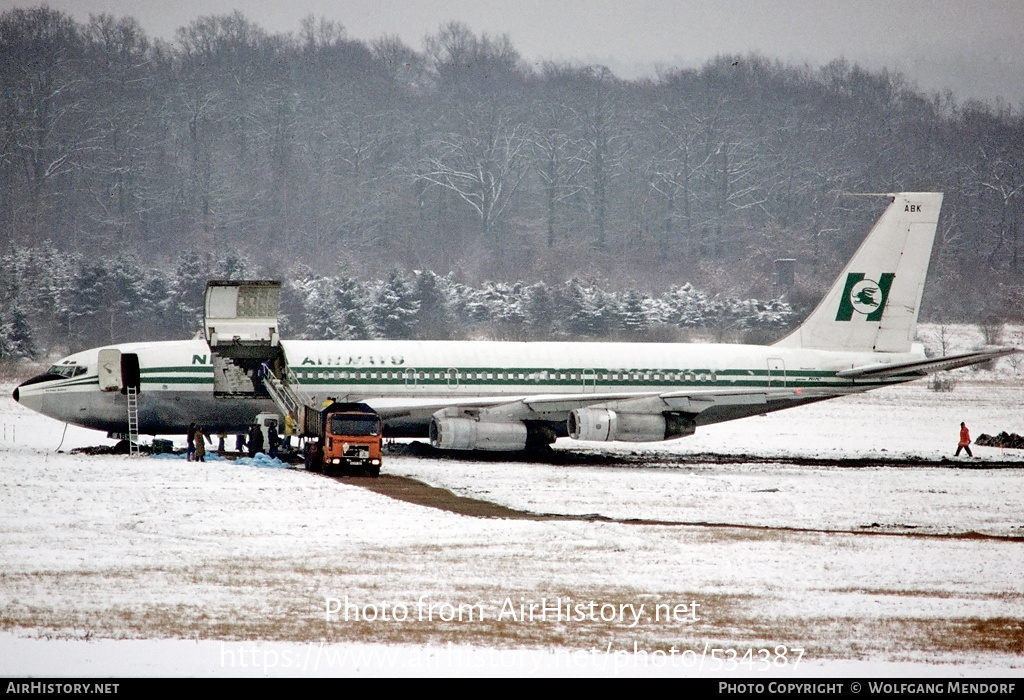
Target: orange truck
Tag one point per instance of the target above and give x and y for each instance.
(343, 437)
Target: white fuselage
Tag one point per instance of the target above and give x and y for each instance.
(407, 381)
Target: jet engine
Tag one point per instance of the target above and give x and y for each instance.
(604, 424)
(453, 433)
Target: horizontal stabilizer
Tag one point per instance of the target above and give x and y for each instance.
(923, 367)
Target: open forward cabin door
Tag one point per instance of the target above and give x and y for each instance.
(118, 371)
(240, 323)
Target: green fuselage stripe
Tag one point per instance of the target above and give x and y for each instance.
(524, 378)
(178, 380)
(200, 369)
(530, 377)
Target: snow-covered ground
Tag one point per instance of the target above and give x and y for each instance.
(121, 566)
(910, 422)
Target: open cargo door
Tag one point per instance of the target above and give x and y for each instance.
(241, 313)
(240, 323)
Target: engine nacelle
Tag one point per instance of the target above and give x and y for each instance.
(604, 424)
(592, 424)
(450, 433)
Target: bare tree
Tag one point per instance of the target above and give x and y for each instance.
(674, 164)
(43, 112)
(121, 121)
(1004, 178)
(465, 64)
(404, 67)
(597, 112)
(559, 159)
(483, 162)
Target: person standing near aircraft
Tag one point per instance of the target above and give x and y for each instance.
(200, 446)
(255, 440)
(965, 441)
(190, 439)
(273, 439)
(289, 429)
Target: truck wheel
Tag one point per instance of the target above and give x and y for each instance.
(373, 471)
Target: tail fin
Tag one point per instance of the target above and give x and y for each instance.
(873, 306)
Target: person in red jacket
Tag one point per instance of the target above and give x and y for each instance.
(965, 441)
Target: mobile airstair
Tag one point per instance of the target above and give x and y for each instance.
(285, 395)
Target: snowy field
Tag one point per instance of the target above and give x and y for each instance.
(121, 566)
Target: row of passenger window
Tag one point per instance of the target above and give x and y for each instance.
(453, 375)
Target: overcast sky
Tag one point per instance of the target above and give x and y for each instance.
(975, 48)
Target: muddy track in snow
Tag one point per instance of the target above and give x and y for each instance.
(652, 460)
(413, 491)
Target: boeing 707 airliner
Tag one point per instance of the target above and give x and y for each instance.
(510, 396)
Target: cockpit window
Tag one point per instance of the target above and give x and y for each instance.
(67, 371)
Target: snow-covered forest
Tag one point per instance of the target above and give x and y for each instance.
(70, 302)
(136, 169)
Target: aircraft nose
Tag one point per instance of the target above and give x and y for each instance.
(28, 398)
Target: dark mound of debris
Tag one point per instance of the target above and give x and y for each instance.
(1003, 439)
(121, 448)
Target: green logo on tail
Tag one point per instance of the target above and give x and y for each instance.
(864, 296)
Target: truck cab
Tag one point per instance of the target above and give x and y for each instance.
(348, 439)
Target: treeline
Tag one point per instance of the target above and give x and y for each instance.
(313, 148)
(427, 306)
(56, 303)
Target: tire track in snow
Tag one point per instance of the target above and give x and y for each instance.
(419, 493)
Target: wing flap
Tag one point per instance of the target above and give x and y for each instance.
(696, 404)
(558, 403)
(690, 401)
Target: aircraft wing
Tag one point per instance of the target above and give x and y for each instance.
(542, 403)
(687, 401)
(400, 407)
(556, 406)
(926, 366)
